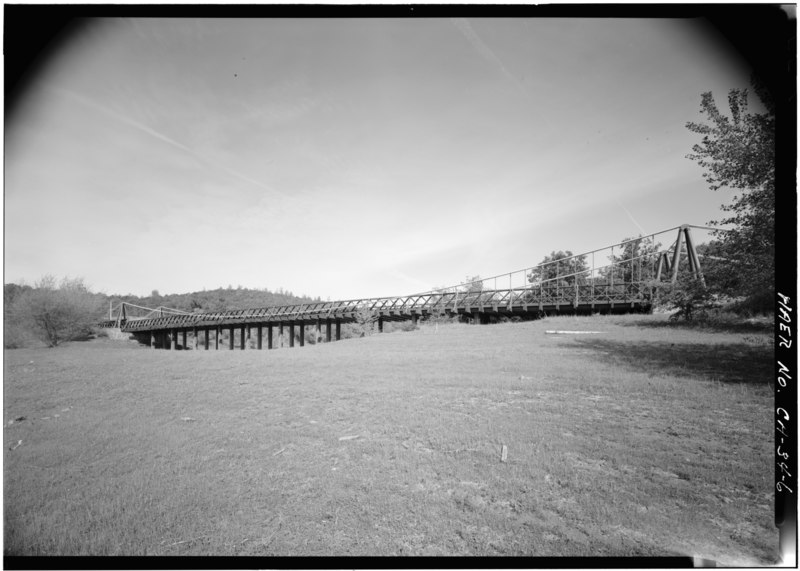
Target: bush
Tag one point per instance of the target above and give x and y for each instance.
(688, 295)
(365, 320)
(405, 326)
(54, 313)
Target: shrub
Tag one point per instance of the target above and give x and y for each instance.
(688, 295)
(56, 313)
(365, 320)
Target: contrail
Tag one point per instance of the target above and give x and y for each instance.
(631, 217)
(463, 26)
(160, 136)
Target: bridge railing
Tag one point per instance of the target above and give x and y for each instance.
(544, 294)
(635, 255)
(627, 278)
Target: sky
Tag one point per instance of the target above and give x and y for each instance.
(347, 158)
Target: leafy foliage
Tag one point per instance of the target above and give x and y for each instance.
(55, 312)
(472, 284)
(562, 265)
(687, 295)
(365, 320)
(738, 152)
(636, 263)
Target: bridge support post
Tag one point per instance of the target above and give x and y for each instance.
(694, 260)
(662, 259)
(205, 338)
(380, 324)
(676, 257)
(280, 335)
(259, 334)
(230, 337)
(302, 334)
(243, 339)
(173, 338)
(217, 335)
(183, 339)
(196, 338)
(291, 334)
(414, 319)
(319, 331)
(338, 329)
(327, 330)
(269, 335)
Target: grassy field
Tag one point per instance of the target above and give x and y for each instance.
(642, 440)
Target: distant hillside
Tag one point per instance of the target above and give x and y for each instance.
(216, 299)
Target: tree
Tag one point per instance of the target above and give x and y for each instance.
(738, 152)
(636, 263)
(688, 296)
(57, 312)
(556, 266)
(365, 320)
(473, 284)
(15, 332)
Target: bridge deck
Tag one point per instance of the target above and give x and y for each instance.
(501, 302)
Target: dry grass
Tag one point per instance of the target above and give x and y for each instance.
(640, 440)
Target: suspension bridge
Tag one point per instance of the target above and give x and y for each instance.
(573, 284)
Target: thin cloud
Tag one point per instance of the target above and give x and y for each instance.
(631, 217)
(160, 136)
(463, 26)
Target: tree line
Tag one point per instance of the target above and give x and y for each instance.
(53, 311)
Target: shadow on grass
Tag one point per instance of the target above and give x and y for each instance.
(729, 363)
(761, 325)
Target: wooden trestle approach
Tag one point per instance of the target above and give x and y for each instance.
(625, 285)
